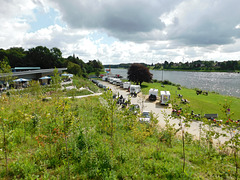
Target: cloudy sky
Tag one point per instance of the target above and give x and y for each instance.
(122, 31)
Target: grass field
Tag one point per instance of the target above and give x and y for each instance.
(200, 104)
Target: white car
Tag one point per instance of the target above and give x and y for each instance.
(145, 117)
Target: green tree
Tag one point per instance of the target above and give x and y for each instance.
(93, 65)
(56, 79)
(16, 56)
(5, 70)
(57, 57)
(74, 69)
(165, 65)
(138, 73)
(43, 57)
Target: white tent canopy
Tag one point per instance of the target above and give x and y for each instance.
(21, 80)
(69, 75)
(45, 77)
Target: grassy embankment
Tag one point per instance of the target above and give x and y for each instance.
(92, 138)
(200, 104)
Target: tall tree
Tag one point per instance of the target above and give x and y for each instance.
(94, 65)
(5, 70)
(43, 57)
(138, 73)
(57, 58)
(16, 56)
(74, 69)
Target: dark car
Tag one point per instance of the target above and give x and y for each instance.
(145, 117)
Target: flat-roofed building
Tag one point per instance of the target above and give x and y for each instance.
(33, 74)
(17, 69)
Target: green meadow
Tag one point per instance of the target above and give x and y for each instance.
(93, 138)
(200, 104)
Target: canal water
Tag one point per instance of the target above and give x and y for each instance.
(221, 82)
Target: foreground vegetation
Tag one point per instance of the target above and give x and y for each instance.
(92, 138)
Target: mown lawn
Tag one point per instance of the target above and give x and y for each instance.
(200, 104)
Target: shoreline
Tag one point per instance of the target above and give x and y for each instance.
(186, 70)
(221, 82)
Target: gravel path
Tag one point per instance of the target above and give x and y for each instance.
(160, 110)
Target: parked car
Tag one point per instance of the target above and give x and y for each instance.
(94, 81)
(145, 117)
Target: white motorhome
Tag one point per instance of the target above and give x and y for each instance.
(126, 85)
(118, 82)
(135, 89)
(110, 80)
(153, 94)
(115, 81)
(164, 97)
(104, 78)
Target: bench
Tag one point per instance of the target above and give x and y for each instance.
(210, 116)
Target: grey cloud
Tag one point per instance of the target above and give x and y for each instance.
(121, 19)
(213, 24)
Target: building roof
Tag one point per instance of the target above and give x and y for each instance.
(26, 68)
(22, 73)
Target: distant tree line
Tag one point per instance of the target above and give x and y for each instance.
(122, 65)
(231, 65)
(46, 58)
(199, 65)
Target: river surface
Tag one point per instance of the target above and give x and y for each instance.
(221, 82)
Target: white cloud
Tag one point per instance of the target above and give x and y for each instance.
(126, 31)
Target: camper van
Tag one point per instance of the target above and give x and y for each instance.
(104, 78)
(164, 97)
(126, 85)
(115, 81)
(134, 89)
(118, 82)
(110, 80)
(153, 94)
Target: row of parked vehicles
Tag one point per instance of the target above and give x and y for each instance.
(133, 89)
(99, 84)
(164, 96)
